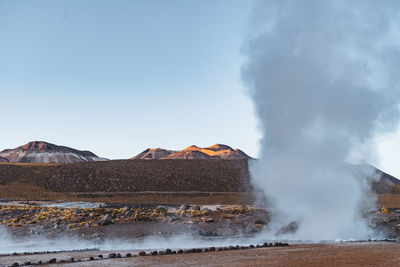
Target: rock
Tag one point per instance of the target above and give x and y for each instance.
(125, 209)
(162, 209)
(290, 228)
(259, 222)
(184, 207)
(53, 260)
(105, 220)
(207, 233)
(142, 253)
(154, 253)
(112, 255)
(168, 251)
(195, 207)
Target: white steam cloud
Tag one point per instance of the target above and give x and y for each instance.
(324, 79)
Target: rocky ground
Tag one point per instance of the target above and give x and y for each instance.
(131, 221)
(113, 221)
(99, 222)
(278, 254)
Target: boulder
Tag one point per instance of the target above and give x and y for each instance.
(105, 220)
(184, 207)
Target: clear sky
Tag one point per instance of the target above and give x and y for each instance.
(117, 77)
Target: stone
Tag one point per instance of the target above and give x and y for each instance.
(125, 209)
(207, 233)
(209, 220)
(162, 209)
(184, 207)
(105, 220)
(53, 260)
(142, 253)
(259, 222)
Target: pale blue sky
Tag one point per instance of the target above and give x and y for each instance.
(116, 77)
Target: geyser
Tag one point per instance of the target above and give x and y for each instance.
(323, 76)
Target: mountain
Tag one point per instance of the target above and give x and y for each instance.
(194, 154)
(381, 181)
(217, 151)
(153, 153)
(218, 147)
(43, 152)
(3, 159)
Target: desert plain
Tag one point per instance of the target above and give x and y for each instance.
(199, 212)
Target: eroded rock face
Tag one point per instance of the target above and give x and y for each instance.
(217, 151)
(3, 159)
(43, 152)
(153, 153)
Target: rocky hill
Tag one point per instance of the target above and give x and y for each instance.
(153, 153)
(3, 159)
(43, 152)
(217, 151)
(172, 175)
(133, 175)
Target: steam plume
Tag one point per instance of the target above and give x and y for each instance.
(324, 78)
